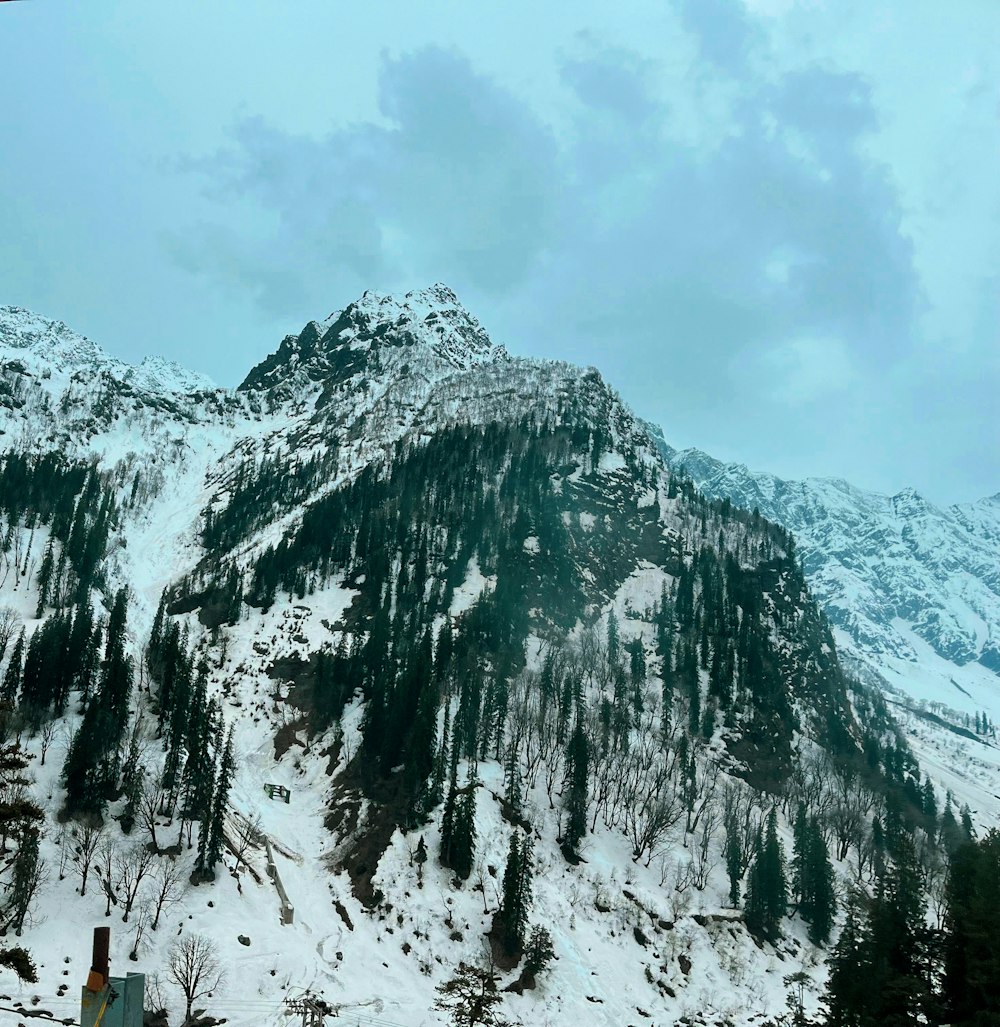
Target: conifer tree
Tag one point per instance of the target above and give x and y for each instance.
(198, 779)
(464, 844)
(512, 780)
(12, 675)
(813, 880)
(448, 816)
(435, 789)
(24, 880)
(575, 787)
(972, 934)
(458, 825)
(882, 970)
(44, 579)
(846, 987)
(613, 643)
(823, 900)
(78, 646)
(512, 918)
(734, 860)
(799, 867)
(220, 802)
(767, 890)
(156, 634)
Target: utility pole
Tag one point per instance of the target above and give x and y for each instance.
(313, 1010)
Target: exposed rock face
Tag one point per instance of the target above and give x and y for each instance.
(887, 569)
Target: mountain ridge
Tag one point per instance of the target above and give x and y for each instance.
(428, 585)
(53, 347)
(885, 567)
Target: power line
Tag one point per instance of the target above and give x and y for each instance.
(29, 1014)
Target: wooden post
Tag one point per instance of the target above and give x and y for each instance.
(100, 965)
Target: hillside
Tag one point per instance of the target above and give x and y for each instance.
(448, 598)
(913, 589)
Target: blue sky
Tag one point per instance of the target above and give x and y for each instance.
(774, 225)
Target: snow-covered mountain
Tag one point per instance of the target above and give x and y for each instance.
(913, 588)
(52, 351)
(416, 574)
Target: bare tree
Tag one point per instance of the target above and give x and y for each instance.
(141, 925)
(248, 836)
(47, 734)
(702, 863)
(193, 965)
(743, 814)
(147, 809)
(131, 867)
(88, 841)
(107, 856)
(153, 999)
(10, 624)
(65, 843)
(165, 889)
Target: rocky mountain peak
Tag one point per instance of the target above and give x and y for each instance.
(43, 348)
(157, 374)
(909, 502)
(376, 331)
(39, 343)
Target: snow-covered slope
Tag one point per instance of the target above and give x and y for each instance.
(479, 477)
(914, 589)
(53, 352)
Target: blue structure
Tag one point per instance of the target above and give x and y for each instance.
(107, 1001)
(117, 1004)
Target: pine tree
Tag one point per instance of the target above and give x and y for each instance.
(767, 890)
(12, 676)
(512, 918)
(448, 816)
(198, 779)
(538, 952)
(575, 787)
(820, 904)
(613, 643)
(734, 860)
(464, 846)
(800, 859)
(470, 998)
(156, 634)
(512, 781)
(220, 803)
(24, 880)
(846, 995)
(435, 788)
(972, 933)
(44, 580)
(897, 956)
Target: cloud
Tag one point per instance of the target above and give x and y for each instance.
(725, 32)
(772, 248)
(611, 80)
(459, 183)
(798, 372)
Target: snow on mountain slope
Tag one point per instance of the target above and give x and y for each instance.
(369, 331)
(53, 351)
(638, 940)
(885, 567)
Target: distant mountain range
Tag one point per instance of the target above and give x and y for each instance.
(897, 575)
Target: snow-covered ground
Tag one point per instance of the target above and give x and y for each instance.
(631, 948)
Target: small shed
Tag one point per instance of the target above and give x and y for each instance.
(277, 792)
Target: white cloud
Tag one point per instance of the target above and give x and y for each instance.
(798, 372)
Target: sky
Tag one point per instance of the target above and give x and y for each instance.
(773, 225)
